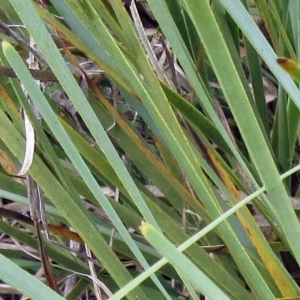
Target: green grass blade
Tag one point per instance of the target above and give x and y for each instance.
(182, 263)
(47, 46)
(25, 283)
(78, 210)
(239, 103)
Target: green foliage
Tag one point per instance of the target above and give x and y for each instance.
(175, 133)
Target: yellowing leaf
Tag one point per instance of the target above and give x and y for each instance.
(290, 67)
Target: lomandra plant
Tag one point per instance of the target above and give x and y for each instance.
(158, 149)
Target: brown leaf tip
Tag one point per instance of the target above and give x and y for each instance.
(281, 60)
